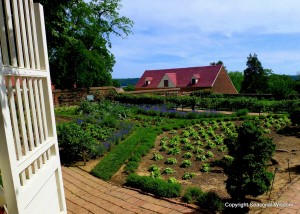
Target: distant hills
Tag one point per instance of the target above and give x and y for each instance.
(128, 81)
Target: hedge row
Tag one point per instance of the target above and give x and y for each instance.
(216, 103)
(112, 162)
(157, 187)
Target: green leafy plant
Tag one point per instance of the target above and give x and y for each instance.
(164, 148)
(199, 143)
(188, 175)
(155, 174)
(171, 161)
(155, 186)
(187, 155)
(168, 171)
(185, 140)
(157, 157)
(205, 167)
(153, 168)
(174, 151)
(192, 195)
(187, 147)
(209, 154)
(210, 201)
(201, 157)
(210, 145)
(172, 180)
(186, 163)
(198, 150)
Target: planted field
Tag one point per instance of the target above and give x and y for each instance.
(197, 155)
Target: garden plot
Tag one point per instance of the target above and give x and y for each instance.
(195, 156)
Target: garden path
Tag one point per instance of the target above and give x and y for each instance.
(86, 194)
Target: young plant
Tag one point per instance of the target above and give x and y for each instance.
(187, 147)
(155, 174)
(198, 150)
(199, 143)
(205, 167)
(171, 161)
(185, 140)
(188, 175)
(210, 145)
(164, 148)
(201, 158)
(153, 168)
(157, 157)
(187, 155)
(168, 171)
(209, 154)
(222, 148)
(186, 163)
(172, 180)
(174, 151)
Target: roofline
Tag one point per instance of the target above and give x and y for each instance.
(165, 69)
(228, 77)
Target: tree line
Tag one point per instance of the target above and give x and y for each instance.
(257, 80)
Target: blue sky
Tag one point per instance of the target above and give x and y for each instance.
(187, 33)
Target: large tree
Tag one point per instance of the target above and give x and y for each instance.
(281, 86)
(251, 152)
(78, 35)
(255, 77)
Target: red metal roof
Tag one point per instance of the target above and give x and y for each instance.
(181, 76)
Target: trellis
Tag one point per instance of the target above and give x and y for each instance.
(29, 157)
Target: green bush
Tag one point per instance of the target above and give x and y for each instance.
(192, 195)
(186, 163)
(74, 142)
(210, 201)
(157, 157)
(188, 175)
(187, 155)
(242, 112)
(168, 171)
(205, 167)
(157, 187)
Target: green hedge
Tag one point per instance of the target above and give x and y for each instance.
(112, 162)
(155, 186)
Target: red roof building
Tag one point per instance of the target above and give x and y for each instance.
(212, 77)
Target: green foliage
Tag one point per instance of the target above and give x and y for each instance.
(155, 186)
(237, 79)
(281, 86)
(153, 168)
(186, 163)
(74, 142)
(242, 112)
(251, 150)
(255, 77)
(81, 30)
(188, 175)
(157, 157)
(209, 154)
(174, 151)
(137, 145)
(168, 171)
(171, 161)
(210, 145)
(155, 174)
(172, 180)
(205, 167)
(129, 88)
(210, 201)
(201, 157)
(192, 195)
(187, 147)
(198, 150)
(187, 155)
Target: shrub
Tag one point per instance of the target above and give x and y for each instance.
(157, 157)
(168, 171)
(187, 175)
(155, 174)
(242, 112)
(192, 195)
(210, 201)
(155, 186)
(164, 148)
(171, 161)
(210, 145)
(199, 143)
(186, 163)
(198, 150)
(187, 155)
(74, 142)
(251, 152)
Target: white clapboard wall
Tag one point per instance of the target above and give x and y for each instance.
(29, 157)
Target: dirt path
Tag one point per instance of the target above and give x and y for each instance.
(86, 194)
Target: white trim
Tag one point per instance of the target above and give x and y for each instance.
(8, 70)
